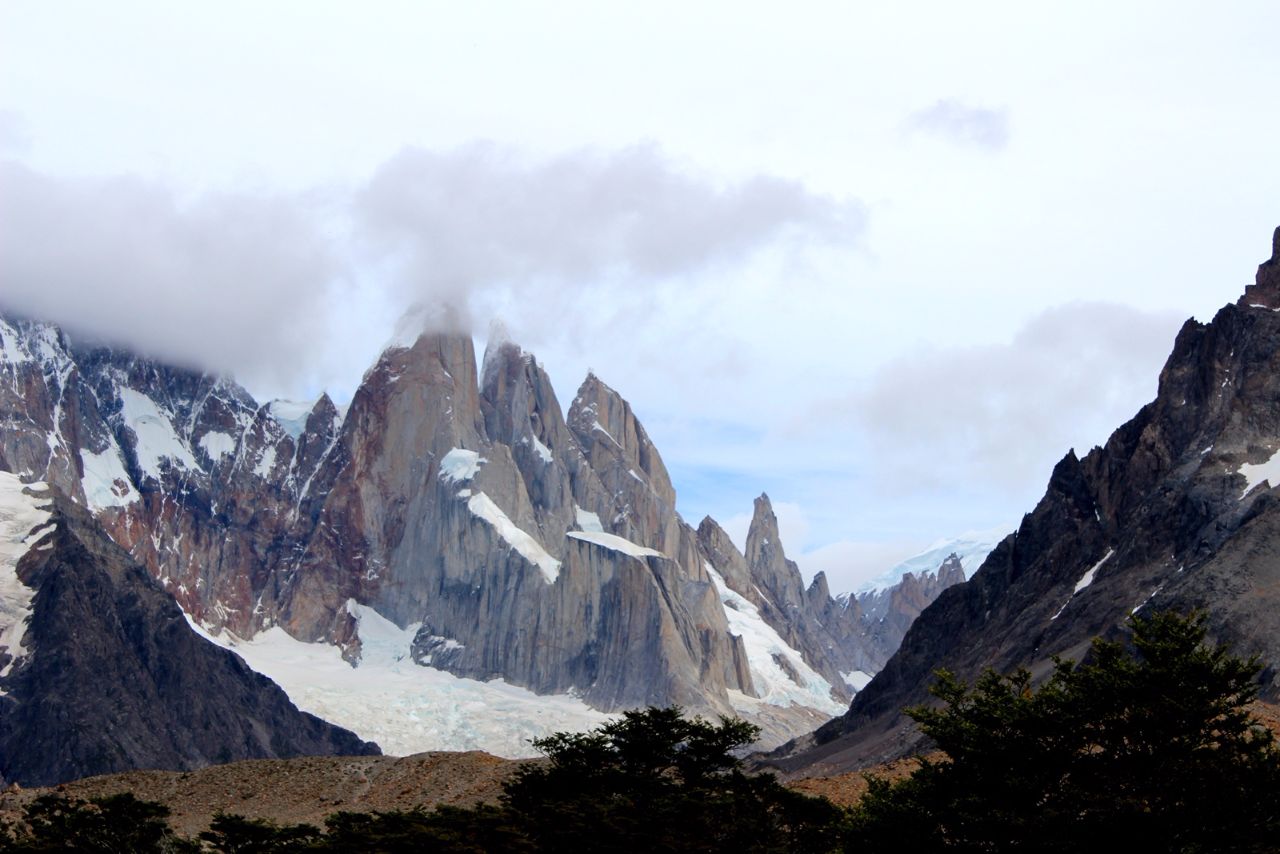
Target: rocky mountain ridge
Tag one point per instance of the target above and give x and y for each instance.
(1177, 510)
(516, 540)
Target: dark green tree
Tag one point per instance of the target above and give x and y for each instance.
(657, 781)
(108, 824)
(1150, 748)
(235, 834)
(447, 830)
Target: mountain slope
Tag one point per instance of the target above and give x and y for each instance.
(106, 675)
(1177, 510)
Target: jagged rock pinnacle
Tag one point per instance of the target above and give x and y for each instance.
(1265, 292)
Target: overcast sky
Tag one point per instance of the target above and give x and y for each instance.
(885, 261)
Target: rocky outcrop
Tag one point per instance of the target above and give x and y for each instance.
(111, 677)
(1265, 291)
(1177, 510)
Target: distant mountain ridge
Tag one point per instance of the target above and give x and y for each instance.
(511, 539)
(971, 548)
(1177, 510)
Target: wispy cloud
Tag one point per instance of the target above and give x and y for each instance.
(467, 224)
(993, 414)
(962, 124)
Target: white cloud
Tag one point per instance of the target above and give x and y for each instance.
(485, 224)
(962, 124)
(993, 414)
(232, 282)
(289, 290)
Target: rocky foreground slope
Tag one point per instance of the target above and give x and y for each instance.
(100, 672)
(1178, 509)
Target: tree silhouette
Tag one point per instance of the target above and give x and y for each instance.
(1145, 750)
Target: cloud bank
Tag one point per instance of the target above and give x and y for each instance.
(268, 286)
(229, 282)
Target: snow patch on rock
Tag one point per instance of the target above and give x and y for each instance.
(460, 465)
(587, 520)
(217, 445)
(266, 463)
(105, 482)
(764, 649)
(1085, 581)
(524, 543)
(1256, 473)
(156, 438)
(23, 519)
(614, 542)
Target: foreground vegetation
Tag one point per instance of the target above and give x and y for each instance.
(1149, 750)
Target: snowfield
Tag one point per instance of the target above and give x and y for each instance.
(406, 708)
(157, 440)
(523, 542)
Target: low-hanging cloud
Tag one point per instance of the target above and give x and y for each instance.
(465, 223)
(230, 282)
(959, 123)
(262, 285)
(988, 417)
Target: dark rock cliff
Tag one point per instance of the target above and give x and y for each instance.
(1177, 510)
(114, 678)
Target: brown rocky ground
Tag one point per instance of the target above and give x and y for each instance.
(291, 791)
(299, 790)
(847, 789)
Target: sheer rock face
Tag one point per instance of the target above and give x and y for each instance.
(525, 543)
(627, 467)
(113, 678)
(1177, 510)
